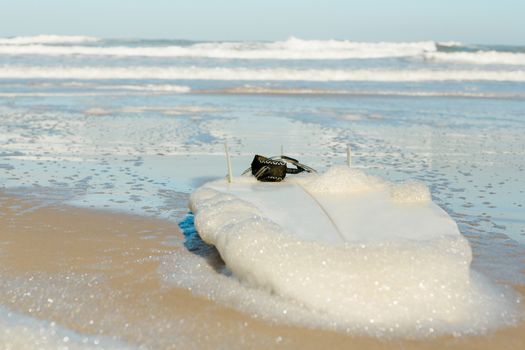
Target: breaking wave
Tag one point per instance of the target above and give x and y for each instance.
(169, 88)
(478, 57)
(254, 74)
(293, 48)
(290, 49)
(450, 44)
(47, 39)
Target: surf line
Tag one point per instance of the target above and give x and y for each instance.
(323, 209)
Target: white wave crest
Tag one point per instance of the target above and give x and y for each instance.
(292, 48)
(249, 74)
(450, 43)
(479, 57)
(47, 39)
(148, 88)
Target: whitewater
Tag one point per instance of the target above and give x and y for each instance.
(291, 49)
(287, 66)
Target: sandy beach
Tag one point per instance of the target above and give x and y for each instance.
(95, 272)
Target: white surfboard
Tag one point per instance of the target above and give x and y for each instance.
(359, 251)
(288, 205)
(367, 210)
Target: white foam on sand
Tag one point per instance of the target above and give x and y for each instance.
(21, 332)
(389, 283)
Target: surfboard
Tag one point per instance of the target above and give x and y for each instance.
(360, 251)
(367, 210)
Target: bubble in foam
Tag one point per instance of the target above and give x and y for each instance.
(410, 192)
(341, 179)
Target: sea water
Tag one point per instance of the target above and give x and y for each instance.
(137, 125)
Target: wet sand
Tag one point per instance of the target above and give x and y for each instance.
(95, 272)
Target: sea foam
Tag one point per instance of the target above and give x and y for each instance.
(384, 286)
(293, 48)
(478, 57)
(19, 331)
(290, 49)
(257, 74)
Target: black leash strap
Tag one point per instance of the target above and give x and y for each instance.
(274, 169)
(299, 166)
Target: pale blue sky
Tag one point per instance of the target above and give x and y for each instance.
(470, 21)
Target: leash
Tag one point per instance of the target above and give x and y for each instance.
(274, 169)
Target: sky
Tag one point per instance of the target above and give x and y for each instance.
(469, 21)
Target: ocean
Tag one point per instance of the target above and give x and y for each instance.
(133, 126)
